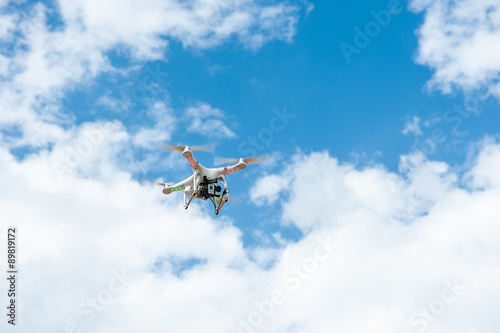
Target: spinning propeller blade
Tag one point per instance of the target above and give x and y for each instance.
(235, 201)
(164, 147)
(205, 148)
(247, 160)
(256, 159)
(150, 181)
(224, 160)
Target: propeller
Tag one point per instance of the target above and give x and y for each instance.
(164, 147)
(235, 201)
(247, 160)
(150, 181)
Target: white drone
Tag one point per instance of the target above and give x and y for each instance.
(202, 184)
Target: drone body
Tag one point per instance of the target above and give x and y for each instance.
(202, 184)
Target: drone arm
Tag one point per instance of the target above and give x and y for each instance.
(188, 154)
(227, 170)
(179, 186)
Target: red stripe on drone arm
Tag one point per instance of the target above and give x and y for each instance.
(192, 161)
(232, 170)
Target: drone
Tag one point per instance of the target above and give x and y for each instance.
(203, 183)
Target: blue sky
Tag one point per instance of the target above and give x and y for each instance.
(391, 151)
(355, 110)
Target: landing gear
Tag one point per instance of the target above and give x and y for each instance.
(186, 204)
(219, 202)
(209, 190)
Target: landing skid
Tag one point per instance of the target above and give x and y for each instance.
(218, 204)
(189, 202)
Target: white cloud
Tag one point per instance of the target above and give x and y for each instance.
(206, 121)
(460, 41)
(199, 24)
(71, 254)
(485, 172)
(7, 26)
(412, 126)
(401, 235)
(164, 124)
(268, 188)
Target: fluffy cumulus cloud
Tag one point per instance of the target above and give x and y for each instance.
(460, 41)
(64, 227)
(405, 238)
(412, 251)
(164, 124)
